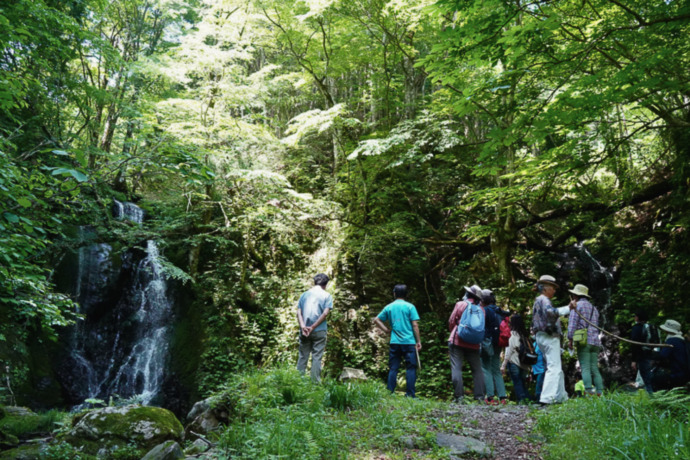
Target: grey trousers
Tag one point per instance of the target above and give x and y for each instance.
(457, 355)
(315, 345)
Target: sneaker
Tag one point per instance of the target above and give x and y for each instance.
(504, 401)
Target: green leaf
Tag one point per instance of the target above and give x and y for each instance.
(24, 202)
(10, 217)
(80, 177)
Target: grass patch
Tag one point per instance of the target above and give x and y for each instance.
(281, 414)
(28, 425)
(619, 425)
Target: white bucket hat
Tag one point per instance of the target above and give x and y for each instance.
(672, 327)
(580, 289)
(548, 279)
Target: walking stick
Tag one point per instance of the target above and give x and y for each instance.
(419, 363)
(621, 338)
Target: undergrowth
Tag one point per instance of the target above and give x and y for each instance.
(29, 425)
(619, 425)
(281, 414)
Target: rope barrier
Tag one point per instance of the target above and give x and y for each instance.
(621, 338)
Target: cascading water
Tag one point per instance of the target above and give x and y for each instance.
(121, 347)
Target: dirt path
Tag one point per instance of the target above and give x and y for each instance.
(507, 430)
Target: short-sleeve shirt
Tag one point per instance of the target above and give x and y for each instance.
(312, 304)
(399, 315)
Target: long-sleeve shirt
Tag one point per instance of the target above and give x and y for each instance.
(453, 325)
(543, 308)
(575, 322)
(512, 354)
(675, 357)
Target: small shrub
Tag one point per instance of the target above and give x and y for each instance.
(61, 451)
(28, 425)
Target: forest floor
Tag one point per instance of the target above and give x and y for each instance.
(506, 430)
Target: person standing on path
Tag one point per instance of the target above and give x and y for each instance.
(490, 351)
(587, 354)
(546, 325)
(312, 309)
(674, 360)
(517, 369)
(642, 356)
(405, 341)
(460, 350)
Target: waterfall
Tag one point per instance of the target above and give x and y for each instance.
(121, 347)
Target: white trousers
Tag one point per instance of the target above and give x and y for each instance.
(554, 380)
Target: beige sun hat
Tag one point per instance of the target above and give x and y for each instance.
(548, 279)
(672, 327)
(580, 289)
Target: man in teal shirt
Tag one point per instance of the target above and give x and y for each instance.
(403, 318)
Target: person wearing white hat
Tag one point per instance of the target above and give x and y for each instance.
(547, 327)
(677, 368)
(460, 350)
(587, 353)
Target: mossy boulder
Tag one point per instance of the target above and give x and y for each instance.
(25, 452)
(7, 440)
(208, 415)
(111, 428)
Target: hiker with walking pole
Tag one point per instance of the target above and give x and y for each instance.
(585, 337)
(466, 325)
(405, 341)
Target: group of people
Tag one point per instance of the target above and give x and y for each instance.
(495, 343)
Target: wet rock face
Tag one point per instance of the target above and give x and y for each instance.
(208, 415)
(112, 427)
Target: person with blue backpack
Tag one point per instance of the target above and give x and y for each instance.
(467, 330)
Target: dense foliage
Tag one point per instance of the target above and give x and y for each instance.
(431, 143)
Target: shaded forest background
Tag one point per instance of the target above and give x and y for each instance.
(436, 144)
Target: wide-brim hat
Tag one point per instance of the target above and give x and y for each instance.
(672, 327)
(474, 290)
(580, 289)
(487, 294)
(548, 279)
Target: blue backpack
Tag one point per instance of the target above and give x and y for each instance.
(471, 326)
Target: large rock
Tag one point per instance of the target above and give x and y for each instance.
(208, 415)
(350, 373)
(113, 427)
(25, 452)
(462, 445)
(169, 450)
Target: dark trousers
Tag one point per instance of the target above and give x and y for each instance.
(395, 356)
(645, 367)
(519, 377)
(457, 356)
(540, 384)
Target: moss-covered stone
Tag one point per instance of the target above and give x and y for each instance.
(7, 440)
(113, 427)
(25, 452)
